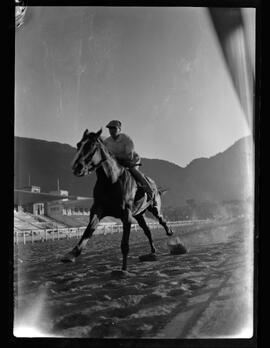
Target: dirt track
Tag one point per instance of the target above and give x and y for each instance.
(205, 293)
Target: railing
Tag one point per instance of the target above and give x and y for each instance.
(43, 235)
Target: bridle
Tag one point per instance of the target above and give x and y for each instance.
(93, 167)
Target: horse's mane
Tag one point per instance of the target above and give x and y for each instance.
(112, 164)
(106, 150)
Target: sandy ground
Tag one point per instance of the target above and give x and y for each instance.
(206, 293)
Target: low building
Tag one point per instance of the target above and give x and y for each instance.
(31, 188)
(56, 209)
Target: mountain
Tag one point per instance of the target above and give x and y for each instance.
(225, 176)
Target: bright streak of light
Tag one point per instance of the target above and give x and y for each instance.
(242, 74)
(245, 332)
(236, 46)
(33, 321)
(29, 331)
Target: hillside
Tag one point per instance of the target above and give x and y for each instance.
(224, 176)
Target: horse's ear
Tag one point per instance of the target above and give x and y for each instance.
(99, 133)
(85, 133)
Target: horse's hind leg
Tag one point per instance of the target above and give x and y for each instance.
(126, 219)
(156, 212)
(142, 223)
(95, 217)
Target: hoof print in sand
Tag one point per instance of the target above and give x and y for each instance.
(176, 247)
(178, 250)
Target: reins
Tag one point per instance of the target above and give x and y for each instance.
(94, 168)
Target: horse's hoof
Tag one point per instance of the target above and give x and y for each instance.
(148, 257)
(68, 258)
(118, 273)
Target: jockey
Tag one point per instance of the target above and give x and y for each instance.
(122, 147)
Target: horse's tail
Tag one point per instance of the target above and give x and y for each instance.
(162, 191)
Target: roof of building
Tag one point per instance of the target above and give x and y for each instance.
(22, 197)
(80, 203)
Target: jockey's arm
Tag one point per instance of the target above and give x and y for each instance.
(131, 159)
(128, 150)
(128, 156)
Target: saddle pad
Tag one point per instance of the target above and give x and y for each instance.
(140, 205)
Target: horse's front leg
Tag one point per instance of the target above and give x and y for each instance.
(95, 217)
(127, 220)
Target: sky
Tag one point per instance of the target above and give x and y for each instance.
(158, 70)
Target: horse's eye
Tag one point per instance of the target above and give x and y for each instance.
(78, 145)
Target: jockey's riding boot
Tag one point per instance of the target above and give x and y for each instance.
(139, 177)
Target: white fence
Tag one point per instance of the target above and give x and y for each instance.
(24, 236)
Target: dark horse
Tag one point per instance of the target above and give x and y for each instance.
(116, 194)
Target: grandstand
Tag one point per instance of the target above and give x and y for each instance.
(75, 220)
(26, 221)
(32, 209)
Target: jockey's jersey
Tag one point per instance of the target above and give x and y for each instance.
(122, 147)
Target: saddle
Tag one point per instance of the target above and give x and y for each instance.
(140, 189)
(140, 200)
(140, 195)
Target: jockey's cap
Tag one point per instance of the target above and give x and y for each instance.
(114, 123)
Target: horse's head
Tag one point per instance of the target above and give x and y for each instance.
(87, 157)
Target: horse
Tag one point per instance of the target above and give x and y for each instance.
(115, 194)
